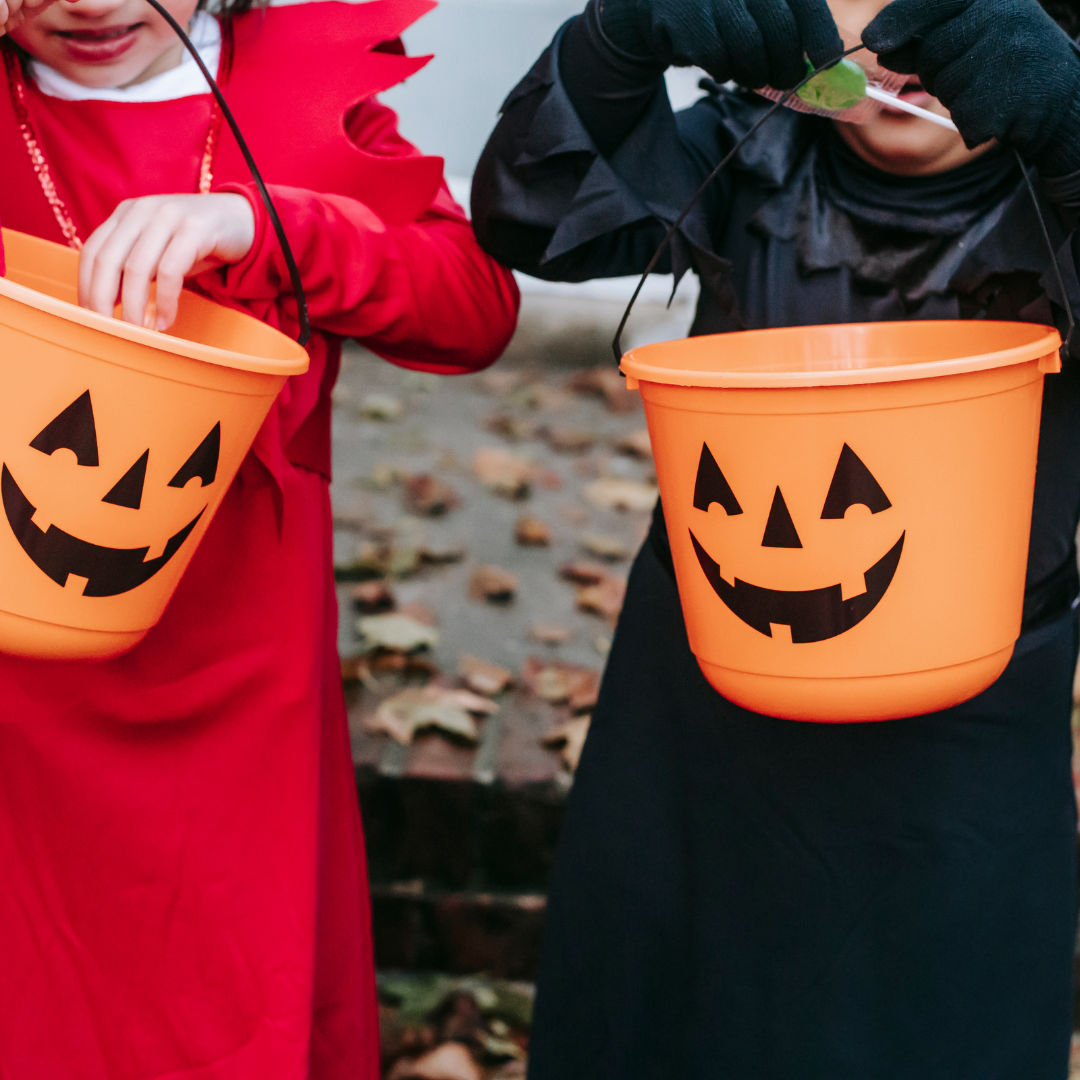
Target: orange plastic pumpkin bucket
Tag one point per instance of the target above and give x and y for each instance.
(117, 445)
(849, 507)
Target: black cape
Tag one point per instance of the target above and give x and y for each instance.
(738, 897)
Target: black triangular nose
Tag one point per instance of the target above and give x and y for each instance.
(127, 491)
(780, 529)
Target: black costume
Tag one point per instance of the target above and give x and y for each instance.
(738, 897)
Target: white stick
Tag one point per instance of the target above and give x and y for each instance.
(905, 106)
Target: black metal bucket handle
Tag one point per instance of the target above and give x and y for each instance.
(616, 344)
(294, 273)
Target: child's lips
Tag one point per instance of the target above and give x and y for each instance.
(916, 95)
(99, 46)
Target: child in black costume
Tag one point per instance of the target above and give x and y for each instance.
(739, 897)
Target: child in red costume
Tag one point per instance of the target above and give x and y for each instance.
(182, 878)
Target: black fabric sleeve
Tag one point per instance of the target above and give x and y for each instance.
(547, 201)
(609, 89)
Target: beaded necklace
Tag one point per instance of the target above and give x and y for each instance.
(17, 91)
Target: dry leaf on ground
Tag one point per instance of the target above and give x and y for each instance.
(608, 384)
(450, 1061)
(567, 440)
(433, 552)
(381, 478)
(372, 597)
(411, 710)
(425, 495)
(380, 407)
(510, 427)
(604, 547)
(502, 472)
(550, 633)
(636, 445)
(605, 598)
(557, 682)
(532, 532)
(483, 676)
(570, 735)
(583, 572)
(615, 494)
(492, 583)
(419, 611)
(397, 632)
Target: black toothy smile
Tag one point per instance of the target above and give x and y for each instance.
(812, 614)
(108, 571)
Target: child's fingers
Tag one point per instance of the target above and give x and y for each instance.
(140, 266)
(177, 261)
(109, 261)
(88, 257)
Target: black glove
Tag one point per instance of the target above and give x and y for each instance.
(1003, 69)
(754, 42)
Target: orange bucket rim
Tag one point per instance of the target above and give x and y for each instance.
(162, 342)
(648, 363)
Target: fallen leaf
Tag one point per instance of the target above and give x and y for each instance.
(381, 478)
(348, 520)
(420, 612)
(608, 384)
(380, 407)
(546, 479)
(566, 440)
(614, 494)
(550, 633)
(425, 495)
(354, 668)
(557, 682)
(510, 427)
(503, 472)
(450, 1061)
(482, 676)
(531, 532)
(583, 572)
(409, 665)
(570, 735)
(413, 709)
(396, 632)
(636, 445)
(493, 583)
(379, 560)
(605, 598)
(602, 644)
(446, 553)
(373, 597)
(604, 547)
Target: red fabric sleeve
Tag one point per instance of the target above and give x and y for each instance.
(423, 295)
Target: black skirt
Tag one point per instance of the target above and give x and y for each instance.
(738, 897)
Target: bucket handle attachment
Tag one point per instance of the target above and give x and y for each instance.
(294, 272)
(616, 344)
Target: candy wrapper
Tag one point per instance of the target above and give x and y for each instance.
(839, 92)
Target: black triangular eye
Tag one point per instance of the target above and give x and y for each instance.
(711, 485)
(73, 430)
(780, 529)
(853, 483)
(127, 491)
(203, 463)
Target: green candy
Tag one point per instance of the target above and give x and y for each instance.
(836, 88)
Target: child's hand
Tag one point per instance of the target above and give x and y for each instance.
(14, 12)
(162, 238)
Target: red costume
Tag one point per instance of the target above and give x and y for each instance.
(182, 878)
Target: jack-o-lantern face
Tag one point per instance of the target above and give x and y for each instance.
(812, 614)
(108, 571)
